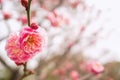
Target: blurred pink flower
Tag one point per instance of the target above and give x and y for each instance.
(74, 3)
(32, 40)
(14, 51)
(74, 75)
(23, 19)
(0, 1)
(55, 72)
(94, 67)
(54, 20)
(68, 66)
(62, 71)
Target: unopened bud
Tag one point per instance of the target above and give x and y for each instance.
(24, 3)
(6, 15)
(34, 26)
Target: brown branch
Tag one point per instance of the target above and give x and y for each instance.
(61, 58)
(58, 5)
(5, 64)
(14, 75)
(14, 72)
(86, 77)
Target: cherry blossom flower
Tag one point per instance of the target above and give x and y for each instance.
(23, 19)
(32, 40)
(23, 46)
(94, 67)
(0, 1)
(14, 51)
(74, 75)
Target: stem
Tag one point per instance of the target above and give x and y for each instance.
(28, 12)
(25, 71)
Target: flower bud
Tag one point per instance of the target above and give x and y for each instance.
(24, 3)
(6, 15)
(34, 26)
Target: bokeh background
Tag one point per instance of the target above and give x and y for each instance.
(80, 32)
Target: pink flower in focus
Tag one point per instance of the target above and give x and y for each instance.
(32, 40)
(14, 51)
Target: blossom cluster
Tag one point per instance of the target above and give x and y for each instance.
(76, 72)
(24, 45)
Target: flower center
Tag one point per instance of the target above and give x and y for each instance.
(30, 39)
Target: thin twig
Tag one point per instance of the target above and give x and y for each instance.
(58, 5)
(28, 11)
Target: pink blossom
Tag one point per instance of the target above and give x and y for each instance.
(32, 40)
(55, 72)
(69, 66)
(14, 51)
(0, 1)
(62, 71)
(22, 47)
(23, 19)
(74, 3)
(94, 67)
(74, 75)
(52, 17)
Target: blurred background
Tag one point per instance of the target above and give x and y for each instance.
(83, 39)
